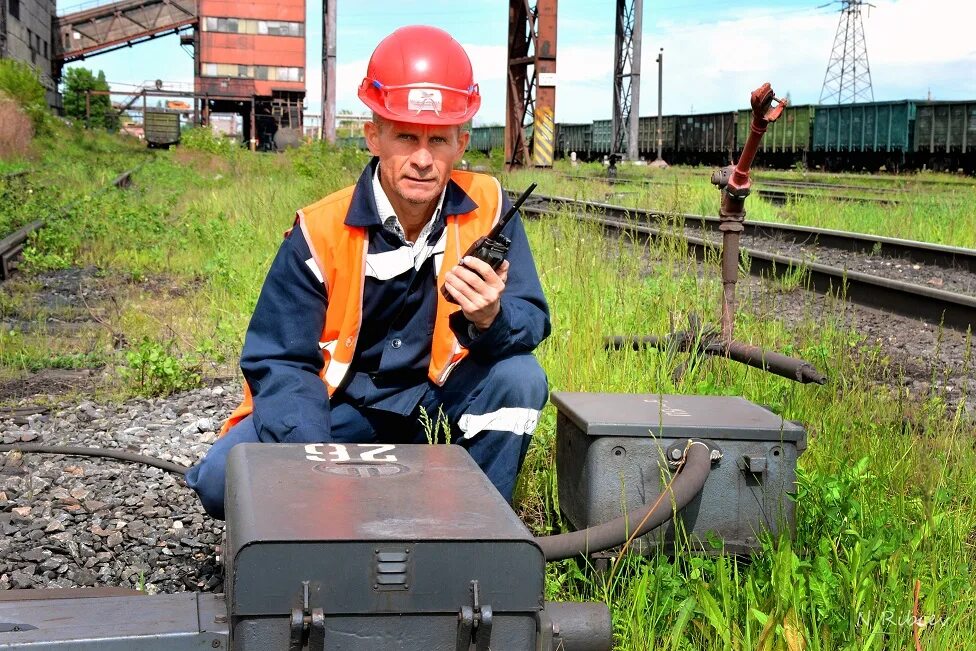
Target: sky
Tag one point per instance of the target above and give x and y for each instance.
(714, 54)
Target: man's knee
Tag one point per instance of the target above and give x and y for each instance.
(208, 476)
(520, 380)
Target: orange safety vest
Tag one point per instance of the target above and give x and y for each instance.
(339, 252)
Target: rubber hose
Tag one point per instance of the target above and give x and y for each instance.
(121, 455)
(686, 486)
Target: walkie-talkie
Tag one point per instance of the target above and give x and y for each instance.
(493, 247)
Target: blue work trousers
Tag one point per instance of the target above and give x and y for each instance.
(492, 409)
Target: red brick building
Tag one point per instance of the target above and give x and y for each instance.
(252, 54)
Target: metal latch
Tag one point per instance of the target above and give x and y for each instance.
(474, 624)
(753, 463)
(306, 626)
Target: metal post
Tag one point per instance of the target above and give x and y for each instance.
(206, 109)
(88, 109)
(659, 161)
(544, 115)
(144, 107)
(626, 78)
(328, 70)
(254, 129)
(635, 67)
(531, 94)
(520, 89)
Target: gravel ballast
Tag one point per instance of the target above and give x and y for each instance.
(79, 521)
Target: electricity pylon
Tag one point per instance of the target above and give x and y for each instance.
(848, 77)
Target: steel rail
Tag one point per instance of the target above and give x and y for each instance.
(781, 196)
(9, 176)
(781, 193)
(12, 245)
(940, 255)
(957, 311)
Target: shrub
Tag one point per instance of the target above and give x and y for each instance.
(153, 371)
(20, 83)
(204, 139)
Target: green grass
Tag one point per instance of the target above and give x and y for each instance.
(885, 494)
(928, 213)
(880, 503)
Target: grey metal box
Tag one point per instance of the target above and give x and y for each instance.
(614, 453)
(389, 539)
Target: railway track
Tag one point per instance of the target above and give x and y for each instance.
(782, 192)
(868, 270)
(13, 244)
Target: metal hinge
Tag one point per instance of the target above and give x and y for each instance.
(307, 626)
(474, 624)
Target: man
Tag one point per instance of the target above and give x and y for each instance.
(352, 339)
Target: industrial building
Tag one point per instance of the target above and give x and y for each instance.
(250, 59)
(27, 35)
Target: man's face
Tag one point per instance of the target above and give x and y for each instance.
(415, 159)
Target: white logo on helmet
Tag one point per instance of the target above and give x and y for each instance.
(424, 99)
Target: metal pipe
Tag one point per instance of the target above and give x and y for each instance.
(686, 486)
(582, 626)
(766, 360)
(121, 455)
(735, 185)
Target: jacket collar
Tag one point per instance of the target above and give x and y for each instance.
(363, 211)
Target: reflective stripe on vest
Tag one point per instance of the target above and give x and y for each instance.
(340, 254)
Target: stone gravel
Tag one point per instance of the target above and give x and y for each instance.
(81, 521)
(958, 281)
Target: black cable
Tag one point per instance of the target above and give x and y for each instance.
(109, 453)
(686, 486)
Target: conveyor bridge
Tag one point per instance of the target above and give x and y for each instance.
(109, 26)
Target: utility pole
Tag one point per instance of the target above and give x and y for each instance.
(848, 77)
(328, 70)
(626, 77)
(659, 161)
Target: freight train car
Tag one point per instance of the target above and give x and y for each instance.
(867, 135)
(574, 138)
(484, 139)
(706, 138)
(787, 140)
(647, 136)
(161, 128)
(945, 136)
(602, 135)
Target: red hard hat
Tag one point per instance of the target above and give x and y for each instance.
(420, 74)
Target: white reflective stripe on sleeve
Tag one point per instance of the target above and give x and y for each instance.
(310, 263)
(335, 372)
(390, 264)
(517, 420)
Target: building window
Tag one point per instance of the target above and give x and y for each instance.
(240, 71)
(15, 9)
(250, 26)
